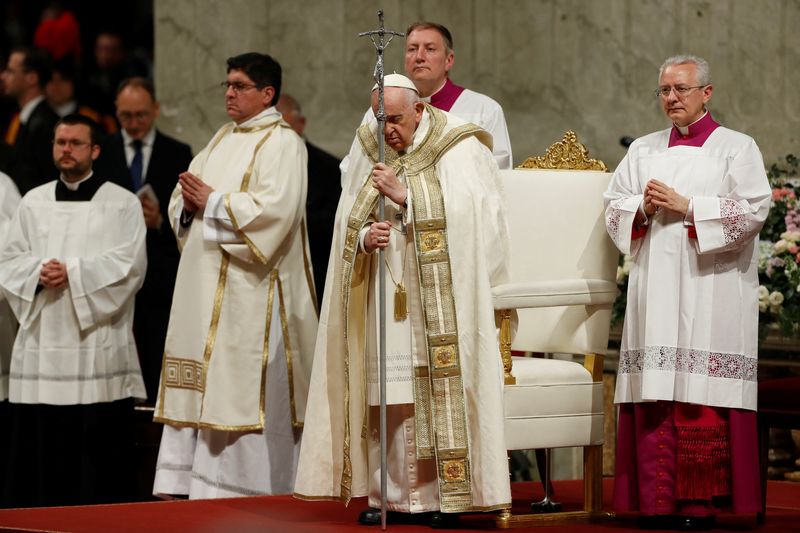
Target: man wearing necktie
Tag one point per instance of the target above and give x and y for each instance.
(136, 166)
(147, 162)
(31, 131)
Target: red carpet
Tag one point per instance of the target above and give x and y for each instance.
(284, 514)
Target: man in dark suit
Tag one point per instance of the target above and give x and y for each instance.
(147, 162)
(30, 132)
(324, 189)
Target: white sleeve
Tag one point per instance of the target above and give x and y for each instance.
(623, 199)
(217, 224)
(733, 219)
(501, 142)
(100, 285)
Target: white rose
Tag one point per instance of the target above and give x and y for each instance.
(792, 236)
(763, 293)
(781, 246)
(762, 306)
(775, 298)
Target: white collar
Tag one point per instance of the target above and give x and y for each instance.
(427, 99)
(66, 108)
(73, 186)
(147, 140)
(27, 110)
(685, 129)
(266, 115)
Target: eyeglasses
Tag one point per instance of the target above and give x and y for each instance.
(237, 86)
(62, 143)
(126, 116)
(681, 91)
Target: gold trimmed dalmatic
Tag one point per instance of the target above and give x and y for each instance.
(215, 360)
(460, 245)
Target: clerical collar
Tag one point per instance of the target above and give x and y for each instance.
(79, 191)
(258, 122)
(445, 97)
(695, 134)
(27, 110)
(147, 140)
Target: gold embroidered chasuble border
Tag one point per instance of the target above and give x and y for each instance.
(191, 374)
(438, 388)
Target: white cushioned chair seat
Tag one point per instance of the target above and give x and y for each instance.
(554, 293)
(539, 371)
(553, 404)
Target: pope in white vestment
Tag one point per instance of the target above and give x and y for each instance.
(445, 250)
(241, 332)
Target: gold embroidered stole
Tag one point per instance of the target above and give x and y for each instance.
(440, 414)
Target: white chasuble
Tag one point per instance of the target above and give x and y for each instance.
(458, 249)
(691, 322)
(75, 345)
(9, 200)
(247, 251)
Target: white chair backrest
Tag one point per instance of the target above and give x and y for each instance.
(557, 225)
(558, 233)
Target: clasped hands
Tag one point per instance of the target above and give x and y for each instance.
(53, 275)
(658, 195)
(152, 213)
(385, 180)
(195, 192)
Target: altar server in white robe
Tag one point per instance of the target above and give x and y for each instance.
(9, 200)
(241, 332)
(687, 204)
(446, 244)
(73, 261)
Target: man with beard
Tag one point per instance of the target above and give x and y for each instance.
(74, 259)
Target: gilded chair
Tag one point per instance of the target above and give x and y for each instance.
(562, 289)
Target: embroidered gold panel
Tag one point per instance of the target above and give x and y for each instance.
(447, 409)
(183, 374)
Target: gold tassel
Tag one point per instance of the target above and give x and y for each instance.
(400, 307)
